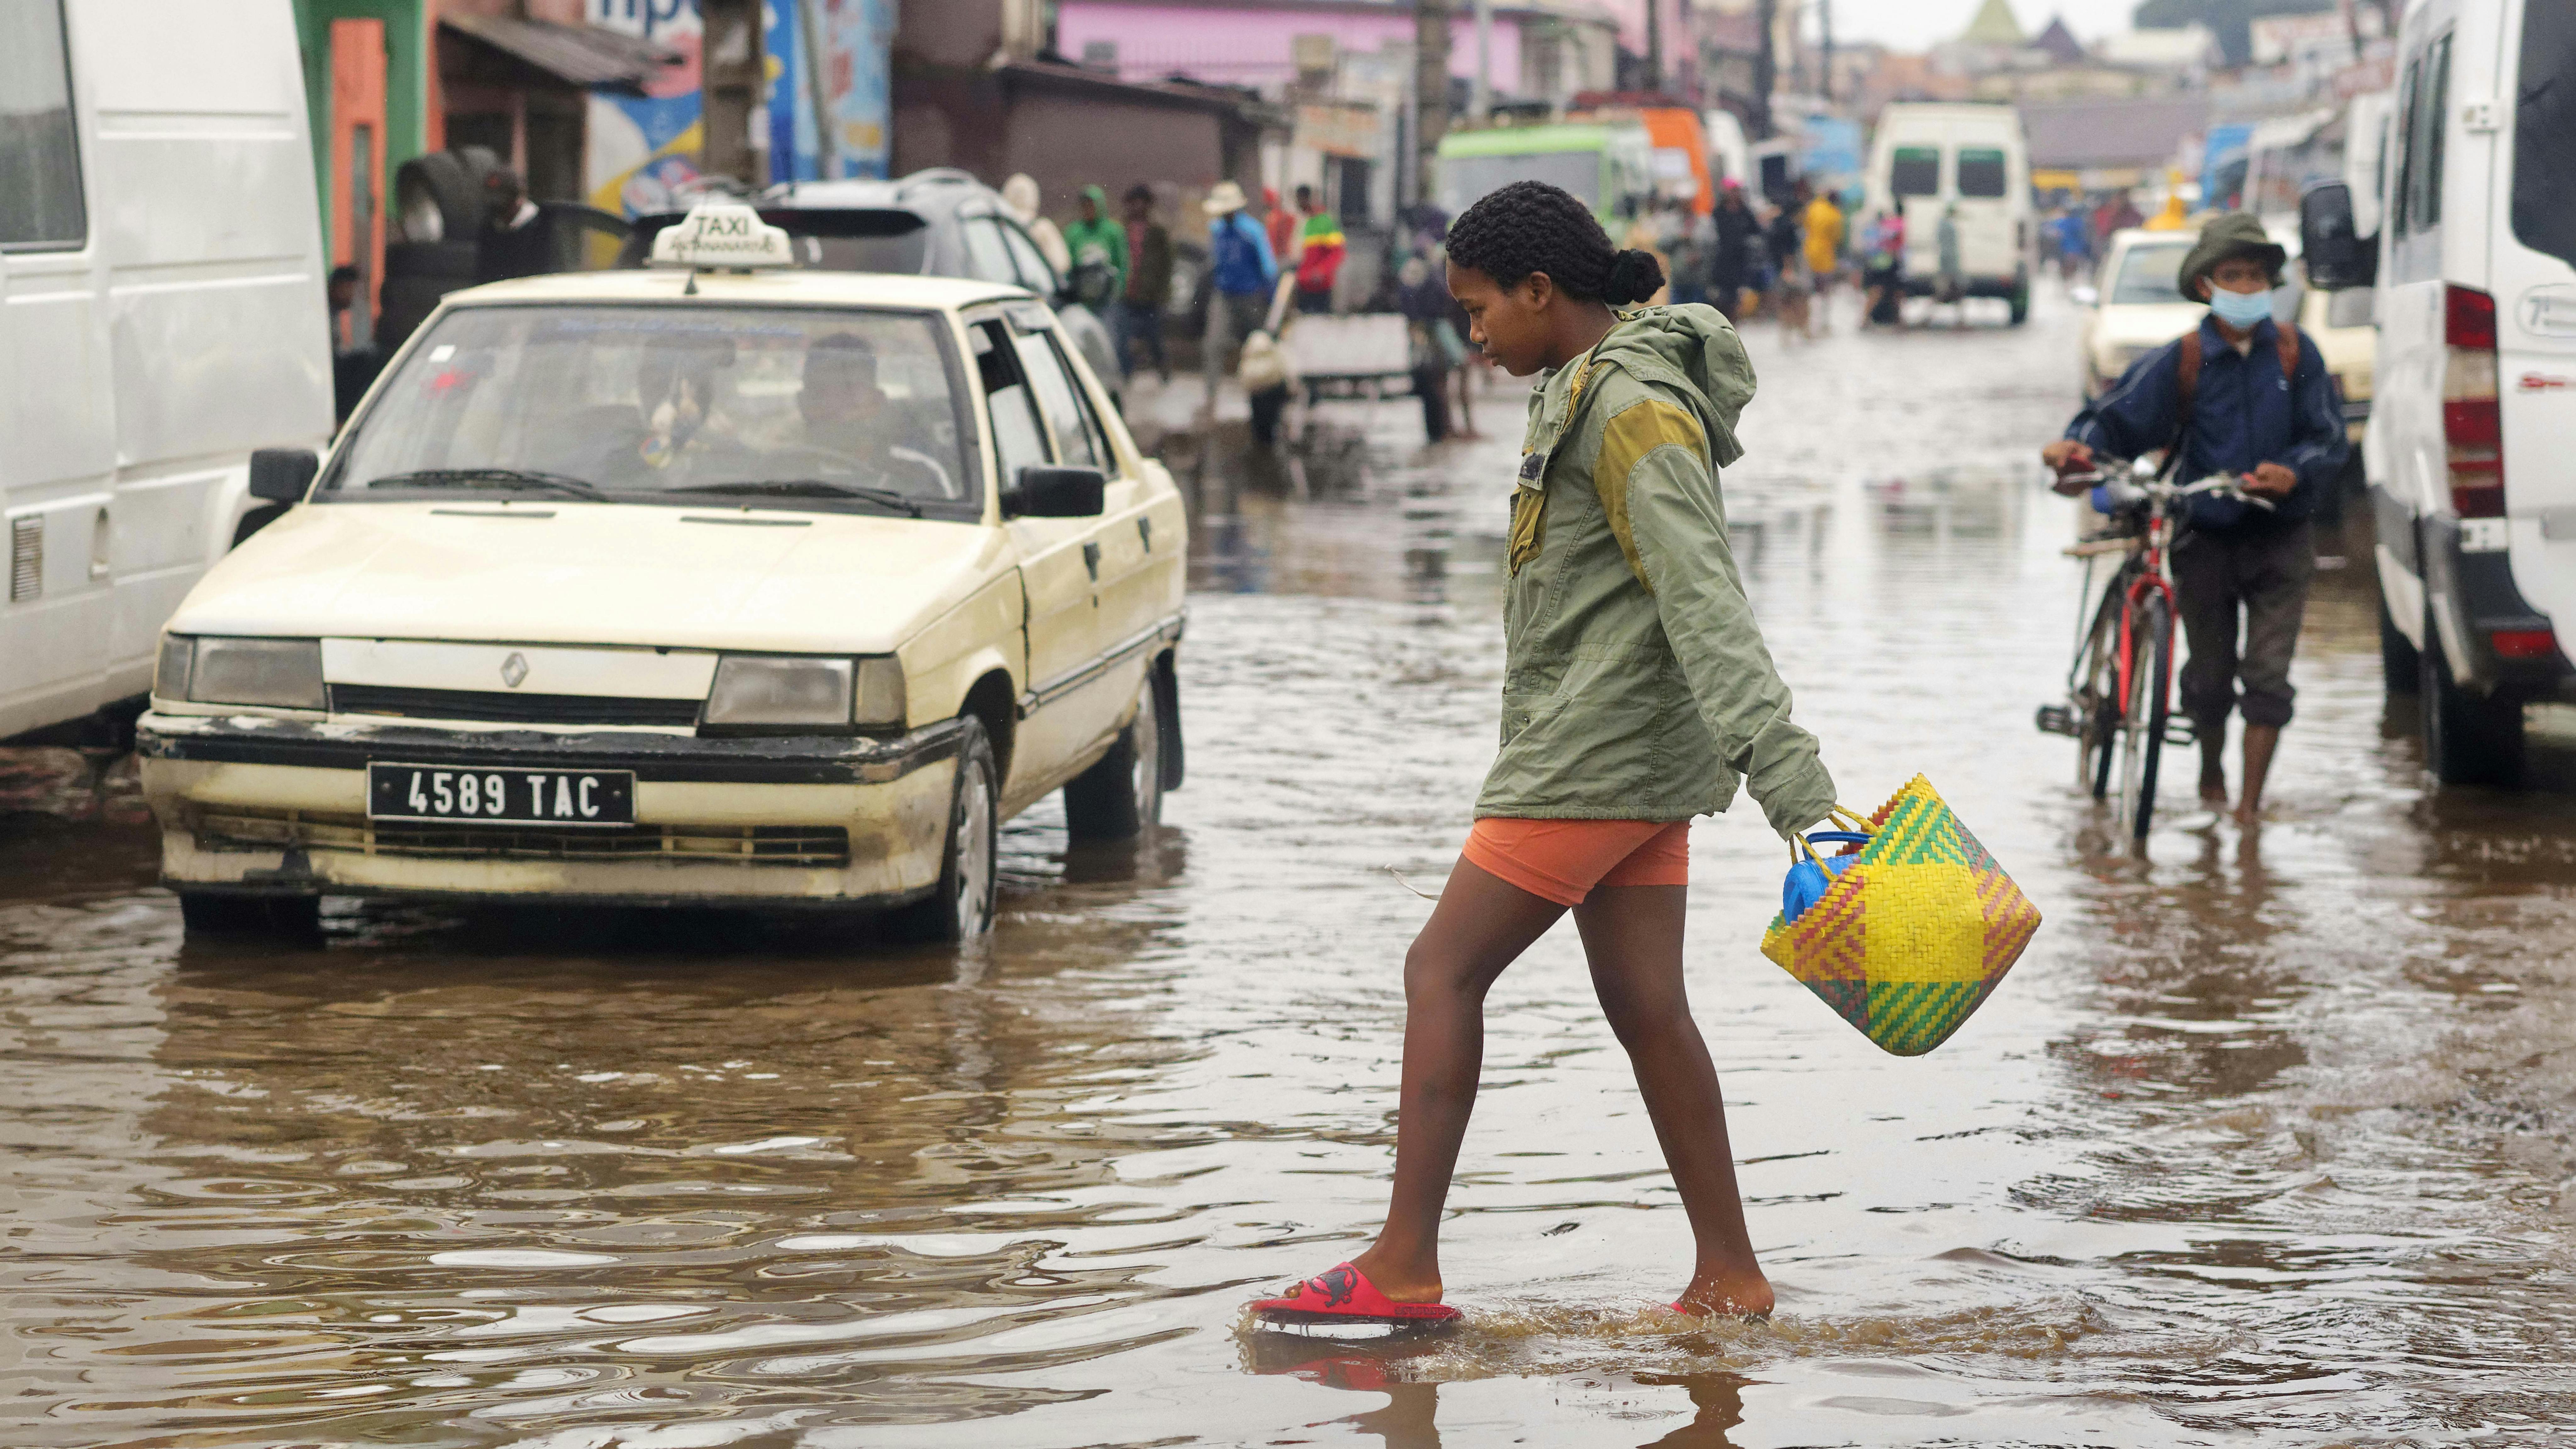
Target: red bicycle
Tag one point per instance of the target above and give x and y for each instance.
(2119, 691)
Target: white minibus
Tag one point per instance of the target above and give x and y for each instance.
(162, 315)
(1927, 158)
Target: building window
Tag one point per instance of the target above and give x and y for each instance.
(40, 179)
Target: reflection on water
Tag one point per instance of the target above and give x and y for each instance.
(2265, 1139)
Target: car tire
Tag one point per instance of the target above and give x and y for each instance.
(230, 915)
(960, 907)
(441, 179)
(2399, 666)
(2020, 299)
(1122, 796)
(2469, 739)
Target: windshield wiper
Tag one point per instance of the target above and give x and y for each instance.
(812, 488)
(516, 480)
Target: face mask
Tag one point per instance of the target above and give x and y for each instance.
(2240, 309)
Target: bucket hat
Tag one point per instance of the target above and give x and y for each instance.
(2236, 234)
(1223, 197)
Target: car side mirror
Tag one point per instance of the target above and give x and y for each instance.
(2336, 256)
(2083, 296)
(281, 475)
(1044, 492)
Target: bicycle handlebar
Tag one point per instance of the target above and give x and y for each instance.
(2156, 490)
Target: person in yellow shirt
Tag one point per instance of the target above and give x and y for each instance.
(1824, 252)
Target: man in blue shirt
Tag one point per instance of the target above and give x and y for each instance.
(2252, 399)
(1241, 273)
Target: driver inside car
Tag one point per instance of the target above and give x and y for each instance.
(846, 413)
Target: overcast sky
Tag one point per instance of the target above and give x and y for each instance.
(1915, 24)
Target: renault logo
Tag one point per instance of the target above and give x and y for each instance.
(514, 669)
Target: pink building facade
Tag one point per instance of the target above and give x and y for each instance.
(1253, 45)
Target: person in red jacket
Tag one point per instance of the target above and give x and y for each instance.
(1320, 247)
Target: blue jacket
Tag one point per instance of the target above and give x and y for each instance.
(2243, 413)
(1239, 257)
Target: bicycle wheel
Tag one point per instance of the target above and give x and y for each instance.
(2142, 729)
(2096, 702)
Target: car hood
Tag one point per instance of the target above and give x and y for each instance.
(590, 573)
(2145, 324)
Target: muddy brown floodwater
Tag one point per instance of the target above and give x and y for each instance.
(2266, 1140)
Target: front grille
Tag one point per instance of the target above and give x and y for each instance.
(239, 827)
(497, 707)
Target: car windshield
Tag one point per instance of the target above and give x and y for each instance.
(2147, 272)
(2544, 163)
(1465, 179)
(845, 409)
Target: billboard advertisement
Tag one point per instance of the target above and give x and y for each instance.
(826, 119)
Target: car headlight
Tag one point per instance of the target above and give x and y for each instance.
(792, 692)
(214, 669)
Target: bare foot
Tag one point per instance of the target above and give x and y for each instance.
(2213, 791)
(1721, 1293)
(2248, 812)
(1397, 1281)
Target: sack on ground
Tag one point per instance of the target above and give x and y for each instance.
(1913, 932)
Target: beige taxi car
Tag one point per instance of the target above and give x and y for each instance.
(718, 582)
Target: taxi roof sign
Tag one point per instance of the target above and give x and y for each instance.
(724, 234)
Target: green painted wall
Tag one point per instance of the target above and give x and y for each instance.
(407, 63)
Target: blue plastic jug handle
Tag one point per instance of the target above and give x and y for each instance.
(1829, 837)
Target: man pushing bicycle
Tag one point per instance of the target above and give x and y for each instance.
(2244, 396)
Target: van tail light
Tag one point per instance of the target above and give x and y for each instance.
(2524, 643)
(2472, 421)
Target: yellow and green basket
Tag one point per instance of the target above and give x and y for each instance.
(1913, 933)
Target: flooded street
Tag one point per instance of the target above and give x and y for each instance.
(2266, 1140)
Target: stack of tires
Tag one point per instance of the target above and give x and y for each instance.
(438, 213)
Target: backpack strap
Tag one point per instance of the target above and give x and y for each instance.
(2187, 384)
(2285, 337)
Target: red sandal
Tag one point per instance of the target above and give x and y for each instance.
(1344, 1297)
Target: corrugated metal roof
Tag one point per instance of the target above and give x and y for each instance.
(579, 55)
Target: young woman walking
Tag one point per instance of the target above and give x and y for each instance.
(1637, 694)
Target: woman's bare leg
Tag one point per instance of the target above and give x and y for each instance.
(1632, 935)
(1481, 925)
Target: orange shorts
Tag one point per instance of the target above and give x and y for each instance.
(1562, 860)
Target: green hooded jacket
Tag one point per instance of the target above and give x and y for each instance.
(1636, 685)
(1102, 240)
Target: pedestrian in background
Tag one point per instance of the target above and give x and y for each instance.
(1785, 244)
(1098, 247)
(1020, 197)
(511, 243)
(1139, 313)
(1693, 238)
(1241, 272)
(1320, 247)
(1883, 272)
(1951, 285)
(1281, 225)
(1731, 260)
(2239, 396)
(1824, 252)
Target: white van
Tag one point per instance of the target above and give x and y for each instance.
(2471, 453)
(161, 316)
(1928, 157)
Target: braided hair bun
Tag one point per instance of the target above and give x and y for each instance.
(1530, 226)
(1634, 276)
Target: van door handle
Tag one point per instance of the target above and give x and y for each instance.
(99, 566)
(1091, 560)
